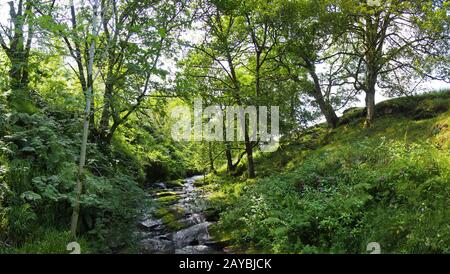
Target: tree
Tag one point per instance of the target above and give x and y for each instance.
(389, 43)
(16, 40)
(228, 35)
(87, 87)
(310, 33)
(136, 35)
(235, 63)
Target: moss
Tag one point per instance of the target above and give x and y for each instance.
(171, 222)
(219, 235)
(175, 183)
(177, 211)
(167, 200)
(165, 193)
(171, 216)
(161, 212)
(441, 132)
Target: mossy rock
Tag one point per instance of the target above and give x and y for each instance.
(165, 193)
(167, 200)
(177, 211)
(403, 105)
(161, 212)
(219, 235)
(175, 183)
(171, 216)
(171, 222)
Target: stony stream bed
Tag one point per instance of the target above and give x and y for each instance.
(178, 222)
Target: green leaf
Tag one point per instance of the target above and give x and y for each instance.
(162, 33)
(30, 196)
(28, 149)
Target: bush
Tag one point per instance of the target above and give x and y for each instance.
(112, 206)
(39, 168)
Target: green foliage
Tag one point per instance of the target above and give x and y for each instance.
(111, 207)
(344, 195)
(48, 241)
(21, 220)
(327, 191)
(38, 175)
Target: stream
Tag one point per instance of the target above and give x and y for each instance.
(177, 223)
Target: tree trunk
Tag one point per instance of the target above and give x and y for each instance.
(370, 96)
(248, 144)
(87, 119)
(109, 83)
(15, 73)
(18, 54)
(104, 121)
(230, 166)
(249, 152)
(90, 83)
(325, 107)
(370, 107)
(327, 111)
(250, 163)
(211, 158)
(82, 162)
(372, 55)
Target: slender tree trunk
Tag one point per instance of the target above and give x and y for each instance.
(90, 83)
(106, 113)
(87, 119)
(109, 83)
(18, 52)
(249, 152)
(82, 162)
(228, 155)
(211, 158)
(258, 75)
(26, 56)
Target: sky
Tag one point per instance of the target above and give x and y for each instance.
(428, 86)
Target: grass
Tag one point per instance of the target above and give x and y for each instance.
(333, 191)
(48, 241)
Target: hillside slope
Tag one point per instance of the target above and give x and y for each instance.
(335, 191)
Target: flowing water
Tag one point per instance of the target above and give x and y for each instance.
(177, 223)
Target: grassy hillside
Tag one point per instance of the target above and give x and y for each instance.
(334, 191)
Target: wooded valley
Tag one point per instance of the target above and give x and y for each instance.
(354, 94)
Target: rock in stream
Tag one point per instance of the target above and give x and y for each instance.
(177, 223)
